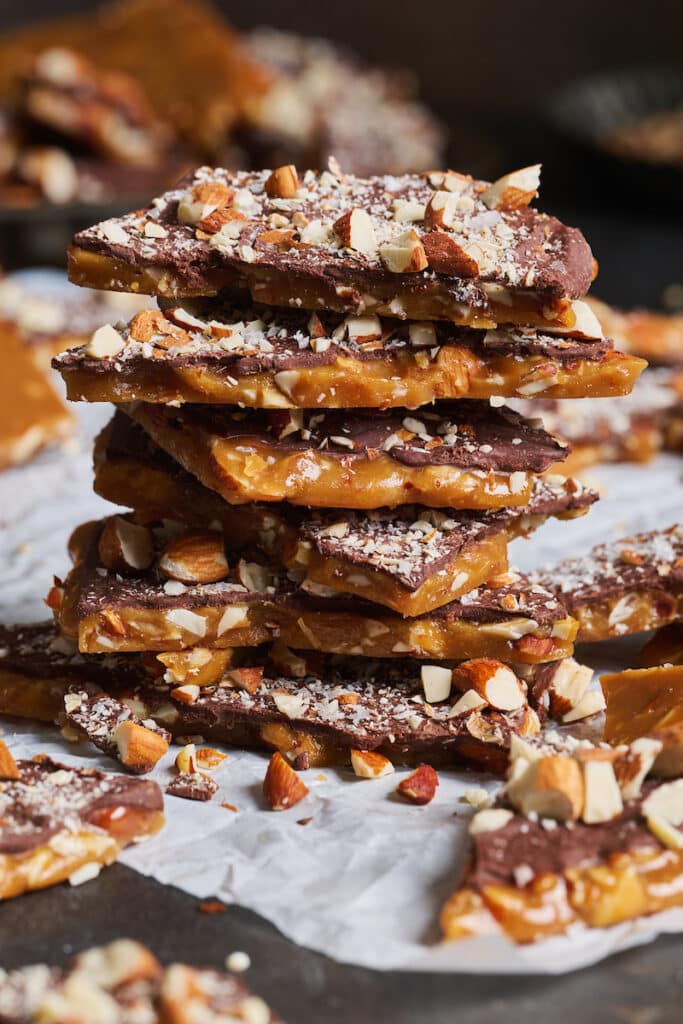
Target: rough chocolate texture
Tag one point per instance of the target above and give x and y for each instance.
(518, 248)
(466, 434)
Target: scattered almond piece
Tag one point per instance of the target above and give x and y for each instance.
(369, 765)
(282, 787)
(420, 786)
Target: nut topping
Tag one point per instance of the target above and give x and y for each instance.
(195, 557)
(283, 183)
(282, 787)
(369, 765)
(355, 231)
(124, 547)
(512, 190)
(138, 748)
(404, 254)
(495, 682)
(420, 786)
(551, 787)
(105, 343)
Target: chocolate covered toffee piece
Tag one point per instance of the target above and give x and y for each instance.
(267, 358)
(140, 588)
(313, 709)
(32, 417)
(633, 428)
(647, 702)
(59, 822)
(411, 559)
(627, 586)
(124, 982)
(104, 111)
(461, 454)
(437, 246)
(577, 838)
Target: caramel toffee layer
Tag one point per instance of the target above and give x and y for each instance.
(498, 854)
(50, 797)
(408, 545)
(330, 706)
(459, 454)
(287, 251)
(277, 358)
(626, 586)
(257, 602)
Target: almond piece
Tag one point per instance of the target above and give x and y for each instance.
(469, 701)
(186, 694)
(513, 190)
(420, 786)
(282, 787)
(123, 546)
(592, 703)
(663, 812)
(568, 686)
(138, 748)
(404, 254)
(363, 328)
(248, 679)
(436, 682)
(445, 256)
(490, 820)
(254, 576)
(283, 182)
(632, 768)
(586, 323)
(552, 787)
(494, 681)
(209, 758)
(8, 766)
(186, 759)
(355, 230)
(197, 556)
(441, 210)
(105, 343)
(369, 765)
(229, 222)
(602, 800)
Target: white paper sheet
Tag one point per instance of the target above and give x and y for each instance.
(365, 879)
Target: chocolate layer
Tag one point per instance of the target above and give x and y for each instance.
(518, 248)
(466, 434)
(50, 797)
(523, 843)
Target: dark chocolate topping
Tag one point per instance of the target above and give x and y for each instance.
(518, 248)
(51, 797)
(468, 434)
(524, 843)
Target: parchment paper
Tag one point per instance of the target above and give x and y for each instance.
(364, 880)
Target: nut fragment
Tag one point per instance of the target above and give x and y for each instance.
(404, 254)
(513, 190)
(197, 556)
(124, 546)
(568, 685)
(420, 786)
(246, 678)
(254, 576)
(186, 759)
(355, 230)
(105, 343)
(441, 210)
(663, 812)
(445, 256)
(282, 787)
(551, 787)
(494, 681)
(186, 694)
(632, 767)
(8, 766)
(209, 758)
(469, 701)
(203, 666)
(283, 182)
(592, 703)
(362, 329)
(436, 682)
(138, 748)
(490, 820)
(602, 800)
(369, 765)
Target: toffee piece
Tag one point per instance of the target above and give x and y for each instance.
(459, 454)
(255, 356)
(622, 587)
(438, 246)
(57, 821)
(411, 559)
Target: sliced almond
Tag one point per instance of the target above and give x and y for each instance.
(369, 765)
(663, 812)
(404, 254)
(469, 701)
(494, 681)
(602, 800)
(568, 685)
(283, 182)
(513, 190)
(197, 556)
(105, 343)
(124, 546)
(436, 682)
(632, 768)
(355, 230)
(592, 703)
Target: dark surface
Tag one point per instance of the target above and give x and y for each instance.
(643, 986)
